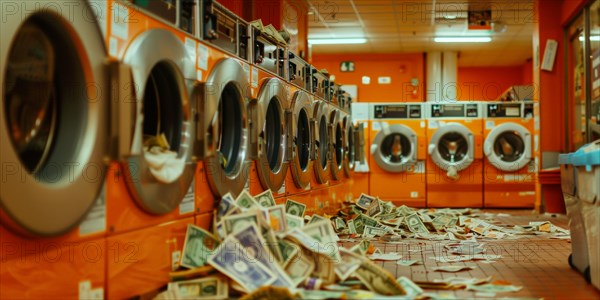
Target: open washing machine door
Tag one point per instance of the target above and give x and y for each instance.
(394, 148)
(320, 145)
(54, 130)
(453, 144)
(508, 147)
(336, 136)
(270, 131)
(225, 124)
(159, 167)
(349, 143)
(301, 138)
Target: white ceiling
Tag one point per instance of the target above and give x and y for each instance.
(397, 26)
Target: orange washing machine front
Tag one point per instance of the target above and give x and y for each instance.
(150, 194)
(511, 151)
(269, 115)
(454, 162)
(398, 136)
(360, 179)
(56, 138)
(300, 135)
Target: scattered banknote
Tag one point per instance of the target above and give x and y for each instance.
(349, 264)
(294, 221)
(407, 263)
(265, 199)
(212, 287)
(245, 200)
(385, 256)
(277, 218)
(226, 204)
(364, 201)
(295, 208)
(316, 218)
(326, 238)
(232, 261)
(198, 246)
(300, 267)
(234, 223)
(415, 224)
(494, 288)
(411, 288)
(453, 269)
(378, 279)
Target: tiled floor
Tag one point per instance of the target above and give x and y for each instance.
(539, 264)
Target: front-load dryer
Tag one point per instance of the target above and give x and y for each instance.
(150, 194)
(509, 173)
(454, 163)
(55, 137)
(398, 140)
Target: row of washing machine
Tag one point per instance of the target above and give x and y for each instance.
(125, 121)
(461, 154)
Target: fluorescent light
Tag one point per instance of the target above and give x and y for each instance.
(593, 38)
(462, 39)
(337, 41)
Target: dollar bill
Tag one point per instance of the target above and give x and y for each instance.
(415, 224)
(300, 267)
(452, 269)
(234, 223)
(405, 210)
(288, 250)
(317, 218)
(324, 267)
(364, 201)
(378, 279)
(351, 227)
(411, 288)
(245, 200)
(359, 224)
(339, 224)
(212, 287)
(371, 231)
(374, 208)
(232, 261)
(198, 246)
(295, 208)
(273, 244)
(392, 256)
(348, 265)
(277, 218)
(369, 221)
(494, 288)
(326, 239)
(362, 247)
(254, 248)
(226, 204)
(265, 199)
(294, 221)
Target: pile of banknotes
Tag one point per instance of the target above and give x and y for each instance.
(260, 250)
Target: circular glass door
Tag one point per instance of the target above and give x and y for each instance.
(453, 147)
(396, 148)
(303, 139)
(508, 147)
(452, 144)
(230, 133)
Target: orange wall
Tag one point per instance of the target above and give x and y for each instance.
(399, 67)
(487, 83)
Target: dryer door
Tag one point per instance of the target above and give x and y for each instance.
(54, 131)
(394, 148)
(452, 144)
(320, 144)
(159, 168)
(336, 135)
(226, 127)
(271, 134)
(349, 143)
(300, 132)
(508, 147)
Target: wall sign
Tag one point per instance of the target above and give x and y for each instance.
(347, 66)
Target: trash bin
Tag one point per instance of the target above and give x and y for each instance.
(587, 162)
(579, 249)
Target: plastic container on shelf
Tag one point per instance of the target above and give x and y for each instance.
(579, 249)
(587, 162)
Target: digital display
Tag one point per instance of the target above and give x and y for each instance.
(391, 111)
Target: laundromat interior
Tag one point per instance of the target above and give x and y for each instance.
(300, 149)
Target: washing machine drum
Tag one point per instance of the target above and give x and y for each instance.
(53, 118)
(452, 144)
(508, 147)
(394, 148)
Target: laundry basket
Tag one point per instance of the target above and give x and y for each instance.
(587, 162)
(579, 249)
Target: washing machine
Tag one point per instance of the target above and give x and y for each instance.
(509, 167)
(351, 142)
(150, 195)
(336, 137)
(398, 139)
(54, 133)
(360, 180)
(269, 116)
(455, 157)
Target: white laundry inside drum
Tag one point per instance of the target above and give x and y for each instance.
(164, 164)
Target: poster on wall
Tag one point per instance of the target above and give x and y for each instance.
(595, 74)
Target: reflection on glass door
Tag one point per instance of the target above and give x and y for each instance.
(594, 74)
(576, 87)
